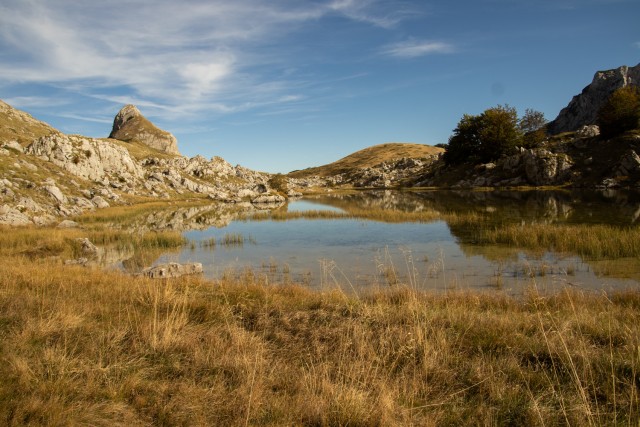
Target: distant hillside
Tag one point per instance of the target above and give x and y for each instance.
(16, 125)
(369, 157)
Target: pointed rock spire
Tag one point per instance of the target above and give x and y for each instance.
(130, 125)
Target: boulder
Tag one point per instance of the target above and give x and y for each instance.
(588, 131)
(172, 270)
(629, 163)
(100, 202)
(87, 248)
(545, 168)
(130, 125)
(12, 216)
(13, 145)
(55, 192)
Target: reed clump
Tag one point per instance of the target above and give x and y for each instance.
(593, 241)
(84, 346)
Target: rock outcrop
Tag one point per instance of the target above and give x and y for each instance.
(130, 125)
(583, 108)
(172, 270)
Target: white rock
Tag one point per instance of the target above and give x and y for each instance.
(171, 270)
(100, 202)
(55, 193)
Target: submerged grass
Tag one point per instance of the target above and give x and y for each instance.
(82, 346)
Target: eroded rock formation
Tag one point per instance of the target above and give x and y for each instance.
(130, 125)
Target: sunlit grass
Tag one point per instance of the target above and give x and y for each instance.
(593, 241)
(81, 346)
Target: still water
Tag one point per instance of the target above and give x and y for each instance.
(431, 254)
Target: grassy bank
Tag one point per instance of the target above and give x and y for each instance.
(592, 241)
(81, 346)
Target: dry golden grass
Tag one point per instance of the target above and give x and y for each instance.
(593, 241)
(81, 346)
(369, 157)
(16, 125)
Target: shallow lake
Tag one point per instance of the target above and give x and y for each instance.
(414, 238)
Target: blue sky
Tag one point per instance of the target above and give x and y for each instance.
(281, 85)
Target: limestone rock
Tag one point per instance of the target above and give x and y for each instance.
(13, 145)
(583, 108)
(545, 168)
(12, 216)
(172, 270)
(588, 131)
(86, 157)
(130, 125)
(55, 192)
(87, 248)
(100, 202)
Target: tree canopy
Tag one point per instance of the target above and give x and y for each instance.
(484, 137)
(620, 113)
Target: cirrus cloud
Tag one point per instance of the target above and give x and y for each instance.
(416, 48)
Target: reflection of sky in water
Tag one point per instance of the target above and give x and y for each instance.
(364, 253)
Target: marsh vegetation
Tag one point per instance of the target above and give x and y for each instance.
(92, 347)
(85, 345)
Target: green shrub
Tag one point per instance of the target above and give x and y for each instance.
(279, 183)
(483, 138)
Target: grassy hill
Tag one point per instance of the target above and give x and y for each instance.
(369, 157)
(16, 125)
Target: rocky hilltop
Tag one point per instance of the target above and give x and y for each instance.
(130, 125)
(46, 175)
(382, 165)
(583, 108)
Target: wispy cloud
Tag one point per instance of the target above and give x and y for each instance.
(186, 57)
(416, 48)
(637, 44)
(35, 101)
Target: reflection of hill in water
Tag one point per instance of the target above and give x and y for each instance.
(465, 211)
(592, 207)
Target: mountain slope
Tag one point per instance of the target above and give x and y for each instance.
(16, 125)
(368, 158)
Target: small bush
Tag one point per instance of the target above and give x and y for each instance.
(279, 183)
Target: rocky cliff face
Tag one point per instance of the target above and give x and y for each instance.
(44, 178)
(130, 125)
(583, 108)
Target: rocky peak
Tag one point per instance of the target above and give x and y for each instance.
(130, 125)
(583, 108)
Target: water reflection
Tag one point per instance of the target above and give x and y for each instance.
(435, 254)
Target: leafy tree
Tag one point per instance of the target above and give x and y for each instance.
(485, 137)
(620, 113)
(464, 144)
(533, 126)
